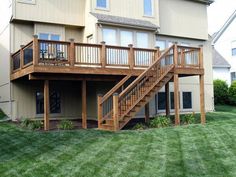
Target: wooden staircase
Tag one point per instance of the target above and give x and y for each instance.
(123, 102)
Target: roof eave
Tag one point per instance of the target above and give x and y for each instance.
(126, 25)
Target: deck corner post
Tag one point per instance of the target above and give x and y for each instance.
(46, 105)
(35, 50)
(99, 104)
(21, 56)
(202, 99)
(167, 92)
(72, 52)
(176, 99)
(116, 111)
(103, 54)
(84, 105)
(131, 56)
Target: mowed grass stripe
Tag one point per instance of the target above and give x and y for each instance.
(208, 149)
(194, 165)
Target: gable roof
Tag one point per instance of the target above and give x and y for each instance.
(123, 21)
(224, 27)
(218, 60)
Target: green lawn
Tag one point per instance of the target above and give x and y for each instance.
(194, 150)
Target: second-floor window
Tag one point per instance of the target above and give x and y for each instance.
(233, 47)
(148, 7)
(102, 4)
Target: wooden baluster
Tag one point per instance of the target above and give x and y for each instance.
(99, 101)
(182, 58)
(131, 56)
(116, 111)
(21, 57)
(72, 52)
(103, 54)
(35, 50)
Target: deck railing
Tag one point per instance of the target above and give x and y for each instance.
(61, 53)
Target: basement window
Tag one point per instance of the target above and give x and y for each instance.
(187, 100)
(55, 102)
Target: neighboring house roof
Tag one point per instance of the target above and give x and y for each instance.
(224, 27)
(218, 60)
(208, 2)
(116, 20)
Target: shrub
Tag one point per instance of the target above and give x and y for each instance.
(232, 93)
(2, 114)
(35, 125)
(32, 124)
(220, 92)
(25, 122)
(188, 118)
(160, 121)
(139, 126)
(65, 125)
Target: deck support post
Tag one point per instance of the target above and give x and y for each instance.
(84, 105)
(202, 99)
(147, 113)
(176, 99)
(46, 105)
(116, 111)
(99, 101)
(167, 92)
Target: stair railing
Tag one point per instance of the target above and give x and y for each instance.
(105, 103)
(146, 81)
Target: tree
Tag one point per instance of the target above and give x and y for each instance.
(232, 93)
(221, 95)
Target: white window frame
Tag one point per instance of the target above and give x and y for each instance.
(33, 2)
(152, 14)
(102, 8)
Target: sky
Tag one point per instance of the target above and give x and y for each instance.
(218, 13)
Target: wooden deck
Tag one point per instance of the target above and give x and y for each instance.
(60, 57)
(59, 60)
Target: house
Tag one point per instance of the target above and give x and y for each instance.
(221, 68)
(105, 60)
(224, 41)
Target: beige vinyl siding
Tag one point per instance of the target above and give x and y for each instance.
(24, 96)
(74, 33)
(183, 19)
(129, 9)
(68, 12)
(21, 35)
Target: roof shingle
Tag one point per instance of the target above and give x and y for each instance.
(219, 60)
(125, 21)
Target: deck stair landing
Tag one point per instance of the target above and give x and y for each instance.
(119, 105)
